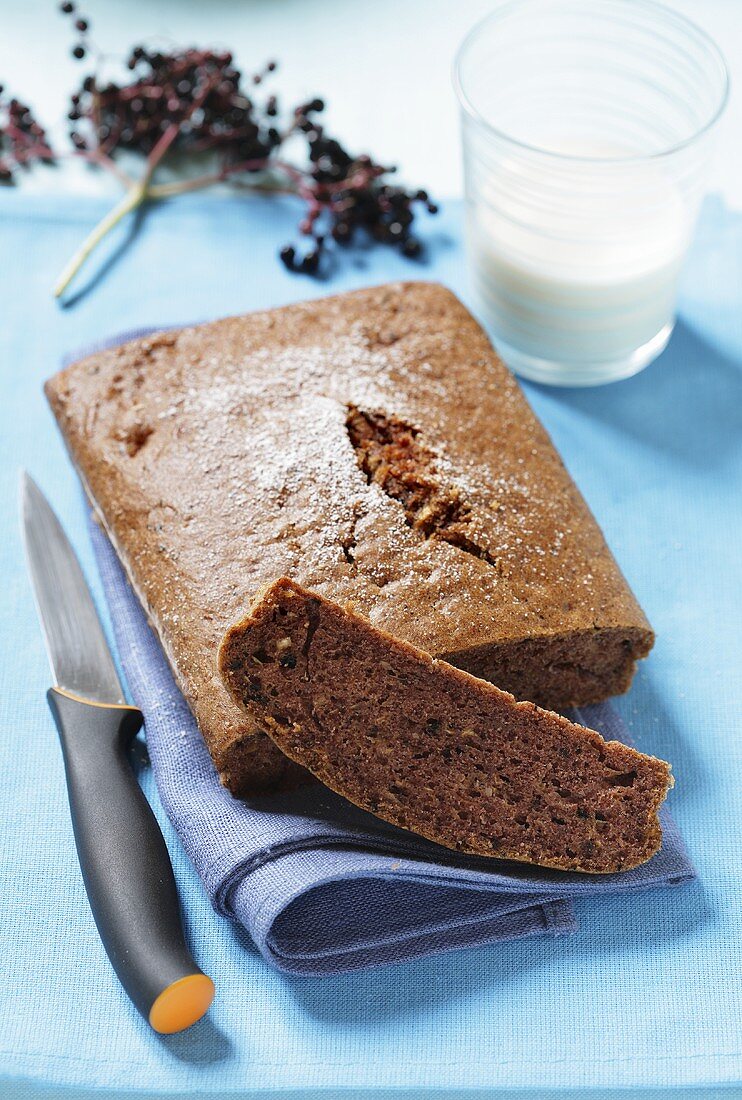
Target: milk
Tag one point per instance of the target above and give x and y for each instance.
(575, 264)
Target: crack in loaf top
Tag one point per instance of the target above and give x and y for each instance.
(221, 457)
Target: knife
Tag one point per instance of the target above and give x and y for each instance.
(125, 863)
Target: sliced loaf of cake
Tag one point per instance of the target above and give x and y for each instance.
(372, 446)
(433, 749)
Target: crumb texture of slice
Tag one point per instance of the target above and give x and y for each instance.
(432, 749)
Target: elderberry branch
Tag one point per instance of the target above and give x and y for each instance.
(134, 197)
(194, 107)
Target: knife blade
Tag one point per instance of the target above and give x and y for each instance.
(75, 643)
(123, 857)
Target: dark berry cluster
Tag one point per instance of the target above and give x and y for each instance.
(197, 104)
(23, 140)
(200, 92)
(197, 92)
(346, 196)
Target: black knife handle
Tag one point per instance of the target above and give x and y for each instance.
(125, 864)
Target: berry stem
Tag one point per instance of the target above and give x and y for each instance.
(133, 198)
(197, 183)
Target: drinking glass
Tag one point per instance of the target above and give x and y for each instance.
(587, 132)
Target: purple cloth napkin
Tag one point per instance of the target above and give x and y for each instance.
(321, 886)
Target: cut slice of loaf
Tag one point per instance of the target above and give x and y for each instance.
(433, 749)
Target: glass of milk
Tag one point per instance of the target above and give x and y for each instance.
(587, 127)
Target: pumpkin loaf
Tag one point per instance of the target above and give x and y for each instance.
(373, 447)
(433, 749)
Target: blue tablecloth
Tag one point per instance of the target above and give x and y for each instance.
(647, 995)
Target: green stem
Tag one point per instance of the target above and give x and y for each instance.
(198, 183)
(133, 198)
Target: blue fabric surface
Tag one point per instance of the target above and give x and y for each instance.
(646, 996)
(320, 886)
